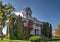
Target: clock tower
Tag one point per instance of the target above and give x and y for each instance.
(27, 13)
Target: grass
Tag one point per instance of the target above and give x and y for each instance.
(6, 40)
(50, 41)
(53, 40)
(26, 41)
(19, 41)
(14, 41)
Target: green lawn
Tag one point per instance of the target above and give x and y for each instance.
(14, 41)
(54, 41)
(24, 41)
(51, 41)
(7, 40)
(19, 41)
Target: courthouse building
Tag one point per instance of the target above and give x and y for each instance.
(33, 26)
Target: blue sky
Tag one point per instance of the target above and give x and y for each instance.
(43, 10)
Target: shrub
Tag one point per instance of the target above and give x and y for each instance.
(35, 38)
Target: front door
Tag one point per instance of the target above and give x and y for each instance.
(36, 32)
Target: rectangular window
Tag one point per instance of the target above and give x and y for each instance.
(26, 24)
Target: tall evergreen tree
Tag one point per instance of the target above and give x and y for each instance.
(50, 35)
(20, 29)
(11, 27)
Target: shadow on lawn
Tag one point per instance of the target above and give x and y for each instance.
(53, 40)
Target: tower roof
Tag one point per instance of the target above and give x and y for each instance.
(27, 9)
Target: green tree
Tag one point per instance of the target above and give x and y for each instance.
(12, 27)
(2, 19)
(8, 8)
(16, 29)
(5, 12)
(50, 34)
(20, 29)
(47, 29)
(57, 31)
